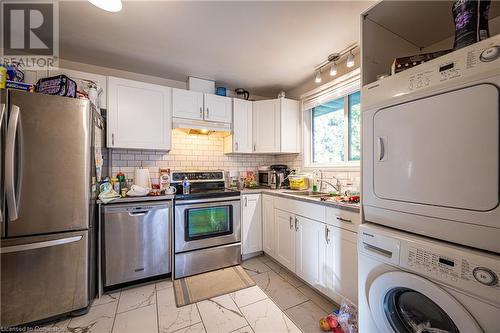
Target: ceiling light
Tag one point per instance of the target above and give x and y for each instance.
(317, 78)
(108, 5)
(350, 60)
(333, 70)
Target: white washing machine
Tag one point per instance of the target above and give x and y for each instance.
(431, 148)
(409, 283)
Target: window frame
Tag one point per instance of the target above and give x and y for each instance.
(346, 165)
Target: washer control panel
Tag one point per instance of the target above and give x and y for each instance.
(464, 270)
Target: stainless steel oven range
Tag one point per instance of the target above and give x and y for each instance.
(207, 231)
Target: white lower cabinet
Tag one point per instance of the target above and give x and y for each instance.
(323, 255)
(284, 235)
(268, 224)
(339, 273)
(251, 224)
(309, 235)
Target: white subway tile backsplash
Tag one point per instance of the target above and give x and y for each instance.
(200, 152)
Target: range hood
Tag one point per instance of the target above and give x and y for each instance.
(191, 126)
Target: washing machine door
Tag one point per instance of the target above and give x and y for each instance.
(401, 302)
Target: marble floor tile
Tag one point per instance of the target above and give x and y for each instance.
(170, 317)
(281, 292)
(134, 298)
(265, 316)
(98, 320)
(246, 329)
(59, 326)
(164, 284)
(112, 296)
(196, 328)
(248, 296)
(141, 320)
(264, 258)
(274, 266)
(284, 273)
(220, 314)
(291, 278)
(306, 316)
(254, 266)
(318, 299)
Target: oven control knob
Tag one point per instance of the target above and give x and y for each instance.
(490, 54)
(485, 276)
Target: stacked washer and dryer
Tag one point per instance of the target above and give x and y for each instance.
(429, 254)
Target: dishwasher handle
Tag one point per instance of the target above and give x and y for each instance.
(134, 210)
(138, 212)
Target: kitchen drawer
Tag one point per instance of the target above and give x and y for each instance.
(343, 218)
(306, 209)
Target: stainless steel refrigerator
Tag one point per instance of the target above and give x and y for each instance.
(47, 207)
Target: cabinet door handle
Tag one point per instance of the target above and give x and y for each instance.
(246, 202)
(208, 113)
(201, 112)
(291, 222)
(296, 224)
(344, 220)
(236, 146)
(254, 147)
(327, 234)
(112, 139)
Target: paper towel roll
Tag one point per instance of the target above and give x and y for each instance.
(142, 178)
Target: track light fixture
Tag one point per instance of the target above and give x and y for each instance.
(333, 60)
(333, 69)
(317, 78)
(350, 60)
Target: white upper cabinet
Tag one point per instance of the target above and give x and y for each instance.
(218, 108)
(266, 126)
(190, 104)
(290, 125)
(241, 139)
(276, 126)
(187, 104)
(139, 115)
(251, 224)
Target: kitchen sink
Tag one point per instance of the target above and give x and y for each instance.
(308, 193)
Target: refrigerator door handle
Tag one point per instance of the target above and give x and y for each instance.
(39, 245)
(2, 113)
(10, 156)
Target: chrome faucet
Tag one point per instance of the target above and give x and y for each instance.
(337, 186)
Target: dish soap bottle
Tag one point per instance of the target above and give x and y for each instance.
(186, 186)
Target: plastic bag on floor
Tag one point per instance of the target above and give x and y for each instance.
(348, 317)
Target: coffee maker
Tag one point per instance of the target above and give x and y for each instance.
(282, 171)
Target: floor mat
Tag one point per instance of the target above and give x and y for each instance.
(200, 287)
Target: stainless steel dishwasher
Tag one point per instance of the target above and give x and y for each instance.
(137, 241)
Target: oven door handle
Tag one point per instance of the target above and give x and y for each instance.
(201, 202)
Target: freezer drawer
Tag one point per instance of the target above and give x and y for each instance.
(43, 276)
(136, 241)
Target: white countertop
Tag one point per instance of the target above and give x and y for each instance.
(281, 193)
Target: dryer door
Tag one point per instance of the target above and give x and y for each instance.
(442, 150)
(401, 302)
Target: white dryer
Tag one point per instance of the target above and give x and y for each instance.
(431, 147)
(409, 283)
